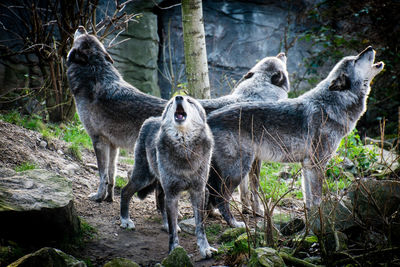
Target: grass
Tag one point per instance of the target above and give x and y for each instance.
(72, 132)
(120, 182)
(25, 166)
(213, 231)
(127, 161)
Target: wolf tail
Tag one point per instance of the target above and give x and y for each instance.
(142, 194)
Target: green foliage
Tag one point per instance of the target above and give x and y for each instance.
(213, 231)
(25, 166)
(123, 152)
(72, 132)
(128, 161)
(273, 186)
(120, 182)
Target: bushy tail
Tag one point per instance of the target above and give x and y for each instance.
(142, 194)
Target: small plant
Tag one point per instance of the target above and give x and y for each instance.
(213, 232)
(75, 151)
(128, 161)
(25, 166)
(120, 182)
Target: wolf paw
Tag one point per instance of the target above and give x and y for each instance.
(96, 197)
(127, 224)
(207, 252)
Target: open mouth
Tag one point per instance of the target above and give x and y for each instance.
(378, 65)
(180, 114)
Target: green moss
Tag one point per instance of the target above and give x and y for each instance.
(25, 166)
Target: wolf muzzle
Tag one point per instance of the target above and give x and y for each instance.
(180, 114)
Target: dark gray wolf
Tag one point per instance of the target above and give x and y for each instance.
(112, 111)
(175, 151)
(306, 129)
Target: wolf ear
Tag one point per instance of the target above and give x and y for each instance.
(278, 79)
(282, 57)
(77, 57)
(248, 75)
(109, 58)
(341, 83)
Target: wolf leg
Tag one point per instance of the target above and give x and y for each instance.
(160, 200)
(113, 158)
(171, 204)
(101, 148)
(254, 177)
(197, 197)
(312, 184)
(245, 197)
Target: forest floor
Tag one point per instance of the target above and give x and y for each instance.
(147, 245)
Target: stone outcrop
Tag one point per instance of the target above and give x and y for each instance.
(36, 207)
(48, 257)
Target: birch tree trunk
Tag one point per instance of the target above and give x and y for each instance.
(195, 49)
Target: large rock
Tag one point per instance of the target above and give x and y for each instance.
(177, 258)
(121, 262)
(48, 257)
(36, 207)
(266, 257)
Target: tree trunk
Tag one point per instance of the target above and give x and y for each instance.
(195, 49)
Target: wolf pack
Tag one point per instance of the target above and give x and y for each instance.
(210, 147)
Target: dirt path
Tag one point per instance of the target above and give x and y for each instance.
(147, 245)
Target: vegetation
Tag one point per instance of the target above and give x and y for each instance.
(25, 166)
(120, 182)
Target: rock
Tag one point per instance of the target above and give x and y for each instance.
(375, 201)
(314, 260)
(370, 141)
(188, 226)
(333, 212)
(286, 224)
(121, 262)
(387, 161)
(48, 257)
(37, 206)
(177, 258)
(43, 144)
(337, 243)
(231, 234)
(308, 241)
(267, 257)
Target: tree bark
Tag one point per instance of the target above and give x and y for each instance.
(195, 49)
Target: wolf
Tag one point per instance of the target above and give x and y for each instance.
(173, 150)
(112, 111)
(307, 129)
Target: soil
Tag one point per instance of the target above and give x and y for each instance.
(147, 245)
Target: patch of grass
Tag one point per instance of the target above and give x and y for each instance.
(87, 230)
(123, 152)
(274, 186)
(25, 166)
(75, 151)
(213, 231)
(120, 182)
(128, 161)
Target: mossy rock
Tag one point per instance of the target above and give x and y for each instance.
(266, 257)
(307, 242)
(48, 257)
(177, 258)
(231, 234)
(121, 262)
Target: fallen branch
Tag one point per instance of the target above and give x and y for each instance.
(290, 260)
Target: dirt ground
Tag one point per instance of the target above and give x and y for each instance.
(147, 245)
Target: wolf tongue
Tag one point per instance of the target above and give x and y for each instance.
(180, 116)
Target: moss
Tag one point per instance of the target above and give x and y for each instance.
(177, 258)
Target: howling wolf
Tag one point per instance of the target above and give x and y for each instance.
(175, 151)
(306, 129)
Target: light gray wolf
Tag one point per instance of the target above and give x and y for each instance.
(306, 129)
(112, 111)
(173, 150)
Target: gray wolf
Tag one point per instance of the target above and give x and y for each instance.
(111, 110)
(306, 129)
(173, 151)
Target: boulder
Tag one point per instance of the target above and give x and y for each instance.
(288, 224)
(48, 257)
(267, 257)
(231, 234)
(121, 262)
(177, 258)
(36, 207)
(188, 226)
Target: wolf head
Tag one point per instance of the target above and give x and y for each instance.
(269, 70)
(184, 114)
(87, 50)
(355, 73)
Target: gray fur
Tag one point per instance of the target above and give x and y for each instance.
(112, 111)
(176, 155)
(306, 129)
